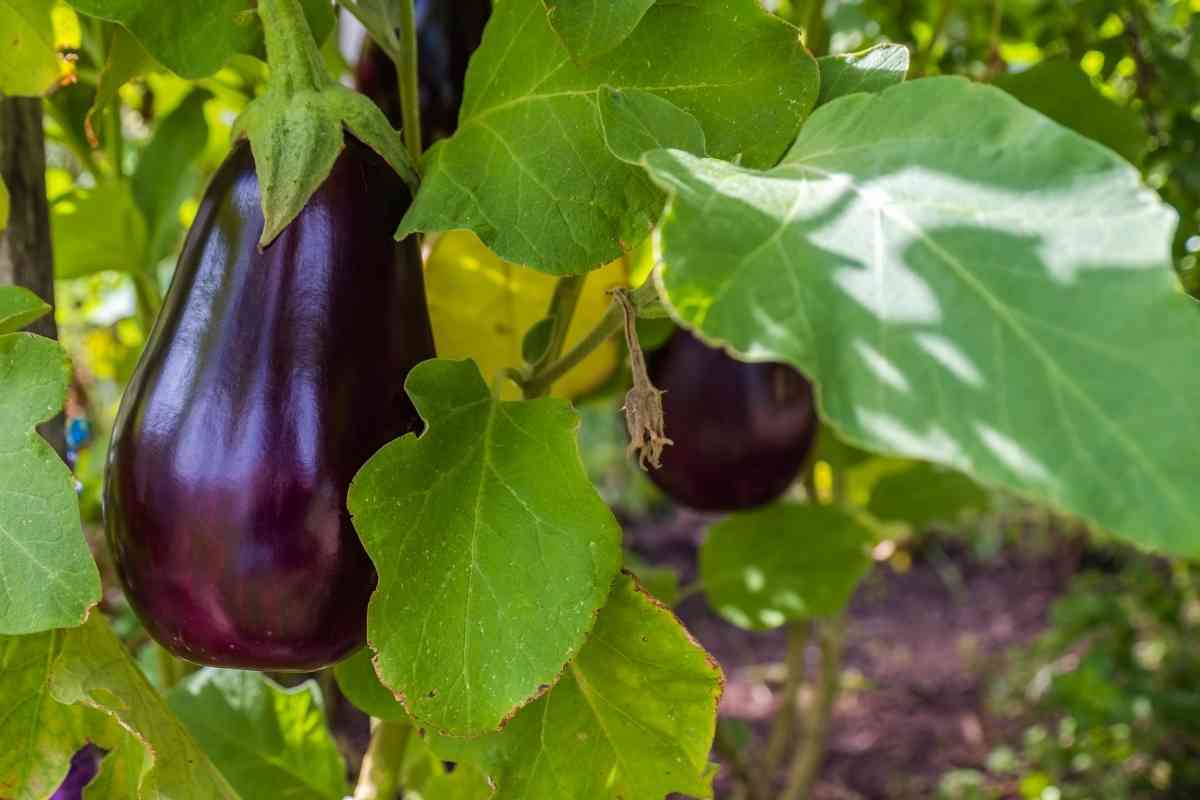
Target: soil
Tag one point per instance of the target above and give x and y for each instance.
(921, 645)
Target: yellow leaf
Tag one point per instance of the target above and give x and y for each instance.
(3, 206)
(481, 307)
(28, 63)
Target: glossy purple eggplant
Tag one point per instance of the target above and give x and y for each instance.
(84, 766)
(269, 379)
(448, 32)
(741, 431)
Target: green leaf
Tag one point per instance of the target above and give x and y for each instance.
(98, 229)
(357, 679)
(635, 122)
(924, 494)
(1000, 301)
(40, 734)
(4, 202)
(1060, 89)
(197, 36)
(95, 670)
(494, 550)
(165, 173)
(762, 569)
(870, 70)
(19, 307)
(537, 340)
(28, 63)
(47, 576)
(261, 735)
(120, 771)
(632, 717)
(528, 169)
(126, 60)
(590, 28)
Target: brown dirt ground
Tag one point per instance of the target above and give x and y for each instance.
(920, 647)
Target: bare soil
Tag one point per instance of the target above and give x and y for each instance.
(920, 647)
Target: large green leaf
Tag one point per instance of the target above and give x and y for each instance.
(633, 717)
(592, 27)
(262, 736)
(94, 670)
(1061, 90)
(494, 551)
(193, 38)
(528, 169)
(28, 64)
(968, 283)
(47, 576)
(870, 70)
(39, 734)
(761, 569)
(98, 229)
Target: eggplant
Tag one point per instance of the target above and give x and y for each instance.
(741, 431)
(448, 32)
(269, 378)
(84, 766)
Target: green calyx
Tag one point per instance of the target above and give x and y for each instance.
(296, 128)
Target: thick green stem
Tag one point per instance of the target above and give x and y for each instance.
(783, 728)
(538, 381)
(816, 31)
(380, 778)
(561, 312)
(807, 762)
(296, 64)
(406, 68)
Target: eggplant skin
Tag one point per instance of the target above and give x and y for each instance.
(84, 766)
(268, 380)
(448, 32)
(742, 431)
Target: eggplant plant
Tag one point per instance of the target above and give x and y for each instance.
(925, 290)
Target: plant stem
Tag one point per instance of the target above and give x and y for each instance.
(149, 299)
(816, 32)
(379, 778)
(783, 728)
(406, 69)
(735, 759)
(537, 381)
(561, 312)
(807, 761)
(296, 63)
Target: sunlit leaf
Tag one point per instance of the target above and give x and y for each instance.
(95, 670)
(1000, 301)
(633, 717)
(28, 64)
(490, 571)
(47, 576)
(529, 171)
(98, 229)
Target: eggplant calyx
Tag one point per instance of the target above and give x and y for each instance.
(297, 127)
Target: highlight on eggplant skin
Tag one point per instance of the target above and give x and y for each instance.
(741, 432)
(448, 32)
(269, 379)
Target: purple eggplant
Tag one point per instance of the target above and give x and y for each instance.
(741, 431)
(269, 378)
(84, 766)
(448, 32)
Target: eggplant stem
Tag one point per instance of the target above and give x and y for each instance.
(380, 777)
(292, 53)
